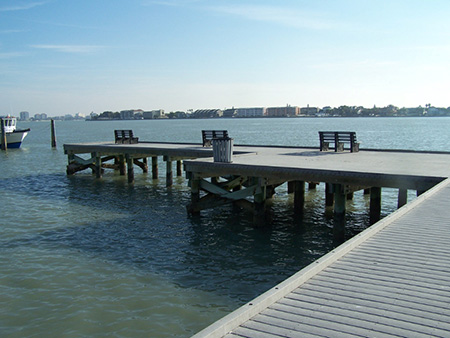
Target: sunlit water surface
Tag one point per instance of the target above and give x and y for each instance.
(87, 257)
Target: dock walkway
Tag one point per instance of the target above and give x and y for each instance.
(393, 279)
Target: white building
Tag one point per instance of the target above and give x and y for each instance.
(153, 114)
(251, 112)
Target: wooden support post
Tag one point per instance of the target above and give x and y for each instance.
(329, 197)
(145, 165)
(52, 124)
(70, 158)
(98, 166)
(375, 204)
(299, 196)
(4, 143)
(169, 174)
(122, 165)
(402, 197)
(130, 168)
(155, 167)
(195, 195)
(259, 209)
(290, 187)
(270, 191)
(312, 185)
(179, 168)
(339, 213)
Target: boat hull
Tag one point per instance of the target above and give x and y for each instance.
(15, 138)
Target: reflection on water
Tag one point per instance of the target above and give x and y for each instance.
(87, 257)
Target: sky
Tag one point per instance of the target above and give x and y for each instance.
(65, 57)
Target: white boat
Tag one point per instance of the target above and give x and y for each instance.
(14, 137)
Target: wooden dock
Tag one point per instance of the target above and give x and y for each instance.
(393, 279)
(256, 171)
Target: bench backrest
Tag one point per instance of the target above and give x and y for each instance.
(208, 135)
(125, 136)
(337, 136)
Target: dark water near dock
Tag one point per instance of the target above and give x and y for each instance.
(87, 257)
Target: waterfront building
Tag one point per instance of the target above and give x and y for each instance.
(24, 115)
(207, 113)
(309, 111)
(153, 114)
(283, 111)
(127, 114)
(39, 117)
(131, 114)
(231, 112)
(251, 112)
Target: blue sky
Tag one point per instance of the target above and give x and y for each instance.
(66, 57)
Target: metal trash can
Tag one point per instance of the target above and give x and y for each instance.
(222, 149)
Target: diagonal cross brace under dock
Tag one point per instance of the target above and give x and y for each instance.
(132, 154)
(260, 169)
(255, 171)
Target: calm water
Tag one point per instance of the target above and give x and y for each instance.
(86, 257)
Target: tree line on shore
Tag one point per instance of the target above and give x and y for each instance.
(341, 111)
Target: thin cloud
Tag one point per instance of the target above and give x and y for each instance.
(10, 55)
(277, 15)
(11, 31)
(79, 49)
(22, 7)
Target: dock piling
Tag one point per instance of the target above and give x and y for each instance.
(169, 174)
(339, 212)
(329, 196)
(375, 204)
(4, 144)
(52, 124)
(195, 195)
(130, 168)
(259, 211)
(121, 161)
(299, 196)
(179, 168)
(402, 197)
(155, 167)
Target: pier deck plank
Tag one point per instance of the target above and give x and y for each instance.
(391, 280)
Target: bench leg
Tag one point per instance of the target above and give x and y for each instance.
(339, 147)
(325, 146)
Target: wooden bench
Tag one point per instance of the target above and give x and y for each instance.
(125, 137)
(339, 139)
(208, 135)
